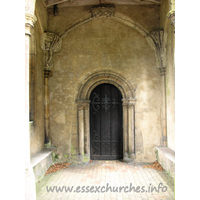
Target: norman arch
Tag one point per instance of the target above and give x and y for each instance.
(83, 105)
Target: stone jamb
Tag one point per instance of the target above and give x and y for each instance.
(129, 128)
(83, 128)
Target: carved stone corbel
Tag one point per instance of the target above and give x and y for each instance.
(103, 11)
(158, 39)
(50, 43)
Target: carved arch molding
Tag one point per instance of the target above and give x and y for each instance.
(83, 105)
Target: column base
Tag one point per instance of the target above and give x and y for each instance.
(83, 159)
(130, 158)
(80, 159)
(47, 142)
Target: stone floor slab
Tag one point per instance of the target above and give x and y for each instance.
(100, 180)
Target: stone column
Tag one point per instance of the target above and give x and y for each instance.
(80, 131)
(129, 129)
(87, 128)
(47, 141)
(50, 43)
(125, 131)
(83, 130)
(32, 78)
(30, 192)
(163, 115)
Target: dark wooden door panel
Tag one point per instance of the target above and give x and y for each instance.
(106, 133)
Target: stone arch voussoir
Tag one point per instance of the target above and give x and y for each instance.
(95, 79)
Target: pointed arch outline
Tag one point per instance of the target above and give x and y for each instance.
(118, 17)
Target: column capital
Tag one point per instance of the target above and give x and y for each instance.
(29, 22)
(129, 102)
(171, 15)
(47, 73)
(162, 71)
(82, 103)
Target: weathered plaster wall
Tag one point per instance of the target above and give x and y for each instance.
(99, 45)
(147, 16)
(37, 133)
(165, 23)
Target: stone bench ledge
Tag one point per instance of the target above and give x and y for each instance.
(166, 157)
(169, 153)
(41, 155)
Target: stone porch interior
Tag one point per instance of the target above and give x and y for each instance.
(73, 46)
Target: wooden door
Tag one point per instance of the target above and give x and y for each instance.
(106, 130)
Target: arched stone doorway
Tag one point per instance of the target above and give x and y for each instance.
(106, 125)
(128, 92)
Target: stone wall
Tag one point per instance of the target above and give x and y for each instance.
(36, 55)
(165, 23)
(104, 44)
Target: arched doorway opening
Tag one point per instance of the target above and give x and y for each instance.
(128, 98)
(106, 124)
